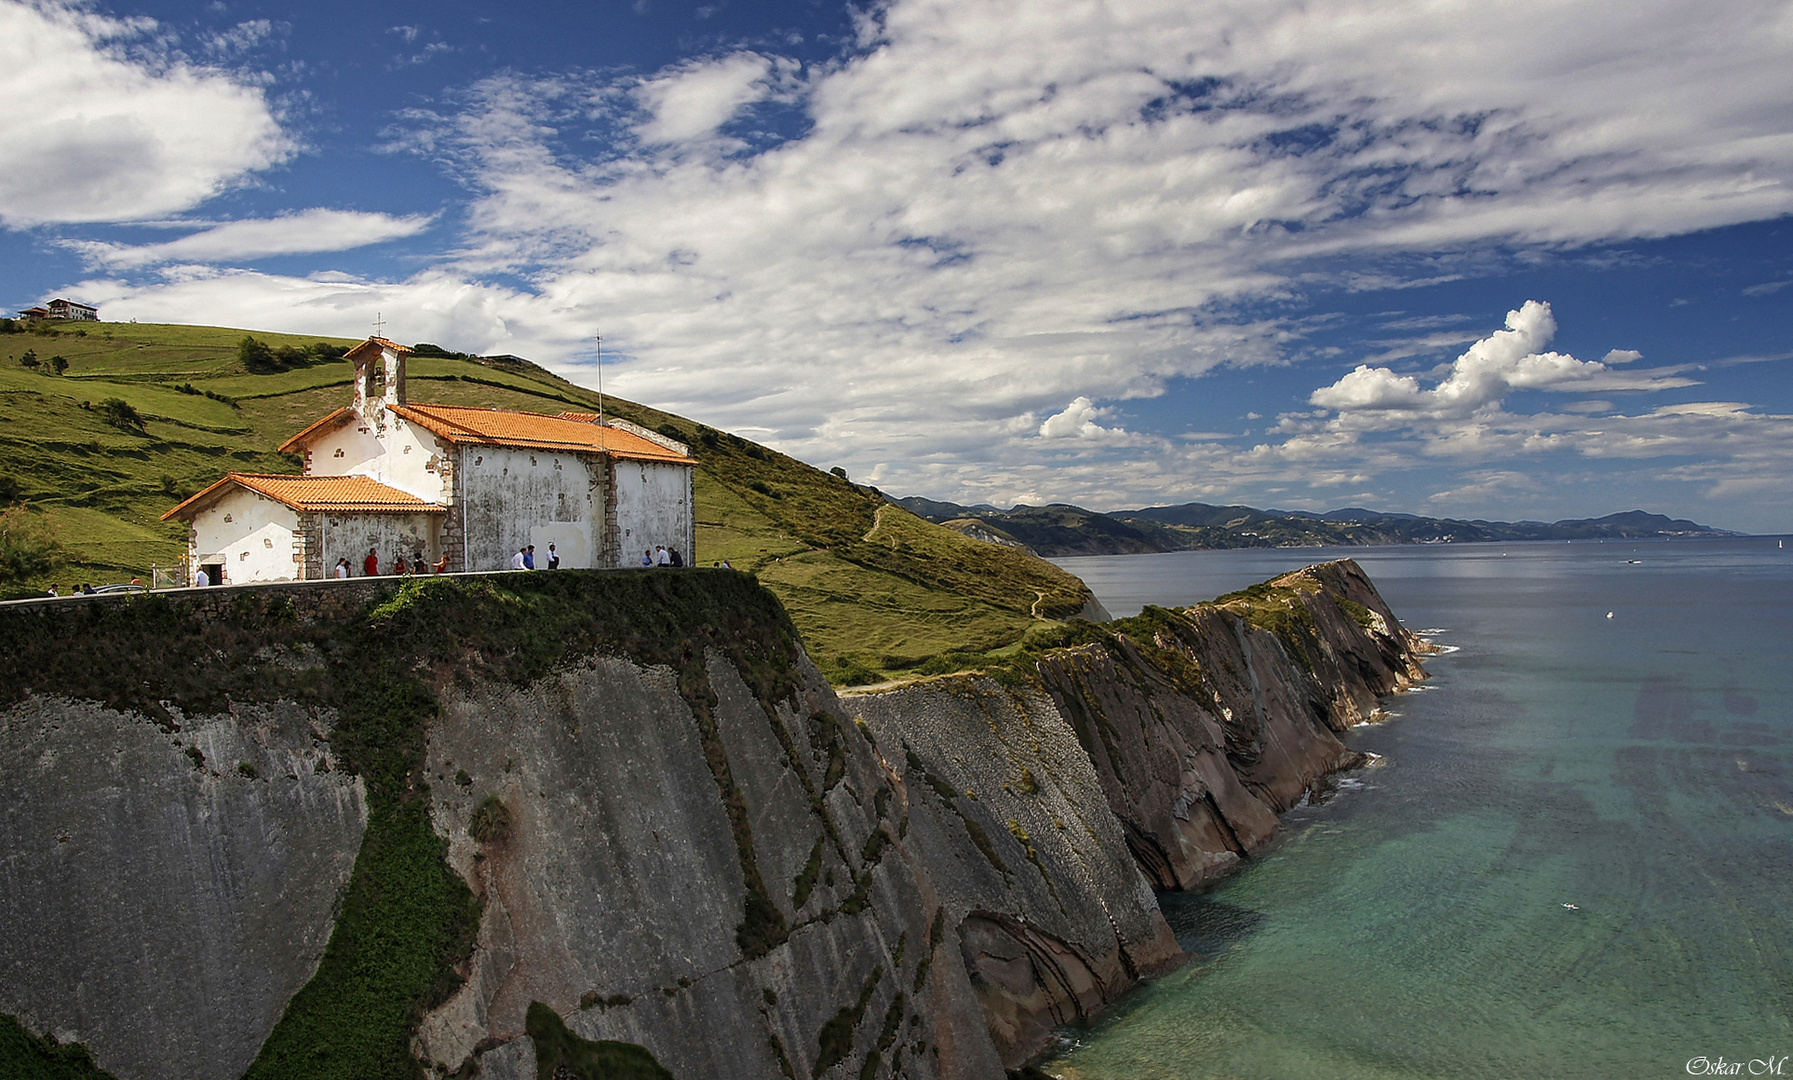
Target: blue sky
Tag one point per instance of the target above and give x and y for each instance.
(1527, 260)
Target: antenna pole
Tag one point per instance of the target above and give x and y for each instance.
(600, 340)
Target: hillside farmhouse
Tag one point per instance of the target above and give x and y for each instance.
(59, 308)
(430, 482)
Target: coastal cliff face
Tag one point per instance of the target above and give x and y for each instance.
(734, 888)
(1205, 724)
(164, 894)
(1155, 754)
(568, 824)
(1045, 913)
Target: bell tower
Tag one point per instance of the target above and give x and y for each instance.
(379, 375)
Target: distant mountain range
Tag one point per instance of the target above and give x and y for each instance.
(1062, 529)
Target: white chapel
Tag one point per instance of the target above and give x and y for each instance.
(444, 485)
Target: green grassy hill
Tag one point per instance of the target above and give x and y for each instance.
(876, 591)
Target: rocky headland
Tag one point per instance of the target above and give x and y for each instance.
(618, 824)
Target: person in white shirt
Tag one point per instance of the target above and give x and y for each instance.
(342, 568)
(201, 579)
(661, 558)
(517, 560)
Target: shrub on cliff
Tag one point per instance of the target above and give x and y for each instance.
(491, 821)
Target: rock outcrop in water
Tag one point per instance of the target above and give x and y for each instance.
(576, 823)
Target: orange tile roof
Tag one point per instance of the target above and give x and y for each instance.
(378, 343)
(346, 494)
(534, 431)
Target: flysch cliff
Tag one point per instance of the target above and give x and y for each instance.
(1207, 723)
(616, 824)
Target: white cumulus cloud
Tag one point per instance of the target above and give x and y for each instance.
(91, 134)
(1077, 421)
(1506, 360)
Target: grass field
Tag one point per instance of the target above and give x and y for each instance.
(875, 590)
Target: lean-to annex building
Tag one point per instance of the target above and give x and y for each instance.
(435, 482)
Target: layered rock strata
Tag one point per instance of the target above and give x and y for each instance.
(167, 888)
(671, 843)
(1178, 735)
(1206, 723)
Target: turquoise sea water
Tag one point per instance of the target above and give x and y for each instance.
(1576, 859)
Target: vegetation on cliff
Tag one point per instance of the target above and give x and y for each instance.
(1166, 639)
(23, 1054)
(875, 590)
(373, 660)
(407, 920)
(561, 1054)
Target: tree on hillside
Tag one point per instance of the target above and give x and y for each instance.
(30, 359)
(257, 357)
(261, 358)
(122, 415)
(58, 364)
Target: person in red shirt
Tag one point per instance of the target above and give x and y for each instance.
(371, 565)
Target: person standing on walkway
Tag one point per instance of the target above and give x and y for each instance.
(517, 559)
(529, 557)
(342, 567)
(553, 558)
(371, 565)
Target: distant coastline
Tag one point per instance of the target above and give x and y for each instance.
(1061, 529)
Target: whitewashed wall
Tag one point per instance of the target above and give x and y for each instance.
(389, 450)
(513, 498)
(257, 543)
(349, 536)
(654, 508)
